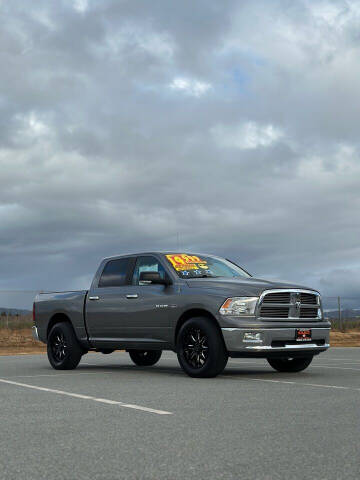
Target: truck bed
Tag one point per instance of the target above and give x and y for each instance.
(52, 305)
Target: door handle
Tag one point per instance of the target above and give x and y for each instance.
(135, 295)
(94, 298)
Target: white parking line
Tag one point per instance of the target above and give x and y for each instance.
(335, 359)
(335, 367)
(58, 374)
(287, 382)
(347, 363)
(87, 397)
(318, 385)
(257, 365)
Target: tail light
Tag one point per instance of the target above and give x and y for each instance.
(33, 311)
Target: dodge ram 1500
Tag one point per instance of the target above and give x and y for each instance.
(202, 307)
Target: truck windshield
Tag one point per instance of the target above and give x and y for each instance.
(195, 266)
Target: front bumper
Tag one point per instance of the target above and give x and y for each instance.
(274, 342)
(35, 334)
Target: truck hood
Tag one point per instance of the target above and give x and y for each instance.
(240, 287)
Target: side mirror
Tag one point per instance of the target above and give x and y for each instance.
(153, 278)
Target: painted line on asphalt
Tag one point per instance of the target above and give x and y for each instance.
(335, 367)
(317, 385)
(347, 363)
(257, 365)
(335, 359)
(58, 374)
(87, 397)
(288, 382)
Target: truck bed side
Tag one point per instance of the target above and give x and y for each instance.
(69, 305)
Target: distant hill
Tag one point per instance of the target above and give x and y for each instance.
(14, 311)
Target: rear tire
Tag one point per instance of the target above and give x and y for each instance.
(145, 358)
(200, 348)
(63, 349)
(293, 365)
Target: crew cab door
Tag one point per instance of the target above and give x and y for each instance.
(107, 305)
(153, 309)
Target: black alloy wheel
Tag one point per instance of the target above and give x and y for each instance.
(291, 365)
(200, 348)
(63, 349)
(195, 346)
(58, 346)
(145, 358)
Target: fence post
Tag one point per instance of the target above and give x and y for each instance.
(339, 312)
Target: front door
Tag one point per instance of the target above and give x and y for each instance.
(153, 307)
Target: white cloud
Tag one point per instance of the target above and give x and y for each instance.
(30, 128)
(97, 158)
(191, 87)
(247, 136)
(81, 5)
(132, 38)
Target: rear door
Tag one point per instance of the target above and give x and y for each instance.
(107, 303)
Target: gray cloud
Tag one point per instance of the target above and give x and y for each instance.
(231, 128)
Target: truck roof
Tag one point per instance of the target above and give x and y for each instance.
(157, 252)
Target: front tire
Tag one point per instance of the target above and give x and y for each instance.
(200, 348)
(63, 349)
(145, 358)
(293, 365)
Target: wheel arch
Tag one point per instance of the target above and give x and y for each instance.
(57, 318)
(196, 312)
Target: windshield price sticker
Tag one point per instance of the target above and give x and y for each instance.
(181, 261)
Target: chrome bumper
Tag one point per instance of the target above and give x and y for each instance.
(35, 334)
(301, 346)
(234, 340)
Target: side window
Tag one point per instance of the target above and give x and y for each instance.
(147, 264)
(114, 273)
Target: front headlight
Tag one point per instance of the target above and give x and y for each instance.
(239, 306)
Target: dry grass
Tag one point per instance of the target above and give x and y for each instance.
(350, 338)
(16, 342)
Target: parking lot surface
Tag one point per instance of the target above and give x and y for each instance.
(109, 419)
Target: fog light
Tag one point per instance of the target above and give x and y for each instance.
(252, 337)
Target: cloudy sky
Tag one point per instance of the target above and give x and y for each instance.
(222, 127)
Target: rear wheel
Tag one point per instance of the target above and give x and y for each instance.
(63, 349)
(145, 358)
(296, 364)
(200, 348)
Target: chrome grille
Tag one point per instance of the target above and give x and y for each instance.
(279, 297)
(308, 312)
(308, 298)
(290, 303)
(275, 312)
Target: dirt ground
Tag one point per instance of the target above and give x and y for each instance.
(347, 339)
(20, 342)
(16, 342)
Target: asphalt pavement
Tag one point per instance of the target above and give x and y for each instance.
(109, 419)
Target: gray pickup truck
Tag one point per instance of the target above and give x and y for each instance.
(202, 307)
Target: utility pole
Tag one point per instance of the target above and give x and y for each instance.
(339, 312)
